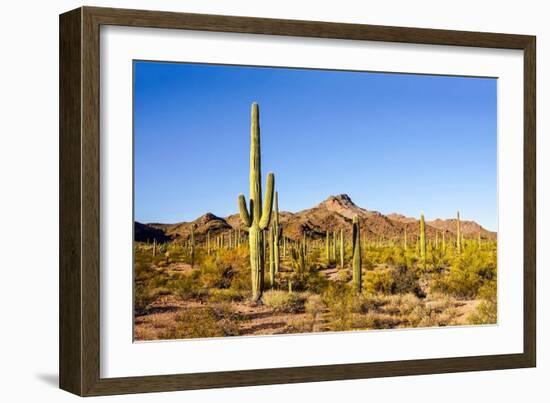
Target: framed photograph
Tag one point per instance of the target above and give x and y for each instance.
(248, 201)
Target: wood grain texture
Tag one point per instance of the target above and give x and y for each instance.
(70, 271)
(80, 195)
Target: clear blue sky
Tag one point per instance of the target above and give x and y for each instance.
(393, 142)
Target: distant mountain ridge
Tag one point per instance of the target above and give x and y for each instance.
(333, 214)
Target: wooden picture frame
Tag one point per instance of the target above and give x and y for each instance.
(79, 201)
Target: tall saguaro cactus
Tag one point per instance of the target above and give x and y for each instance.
(256, 218)
(272, 256)
(276, 233)
(422, 241)
(341, 248)
(192, 241)
(327, 247)
(458, 236)
(356, 239)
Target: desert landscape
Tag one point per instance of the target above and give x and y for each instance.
(333, 267)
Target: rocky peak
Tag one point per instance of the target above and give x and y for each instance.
(343, 205)
(206, 218)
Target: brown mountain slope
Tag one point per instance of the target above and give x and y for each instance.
(333, 214)
(468, 228)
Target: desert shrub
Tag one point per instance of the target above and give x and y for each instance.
(241, 279)
(226, 295)
(468, 273)
(215, 273)
(143, 297)
(485, 313)
(396, 280)
(344, 275)
(378, 281)
(204, 322)
(442, 313)
(188, 287)
(314, 305)
(282, 301)
(401, 304)
(315, 282)
(367, 302)
(374, 320)
(338, 298)
(486, 310)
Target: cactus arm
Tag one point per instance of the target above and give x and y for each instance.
(268, 202)
(243, 211)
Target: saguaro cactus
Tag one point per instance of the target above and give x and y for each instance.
(327, 247)
(276, 233)
(192, 245)
(356, 236)
(334, 242)
(479, 240)
(272, 256)
(405, 239)
(422, 241)
(458, 235)
(342, 248)
(298, 257)
(256, 219)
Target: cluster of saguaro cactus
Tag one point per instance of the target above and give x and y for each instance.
(298, 256)
(356, 239)
(256, 218)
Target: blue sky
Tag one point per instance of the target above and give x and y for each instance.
(394, 142)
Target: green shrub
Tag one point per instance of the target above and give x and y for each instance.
(282, 301)
(338, 298)
(396, 280)
(215, 273)
(468, 274)
(344, 275)
(188, 287)
(204, 322)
